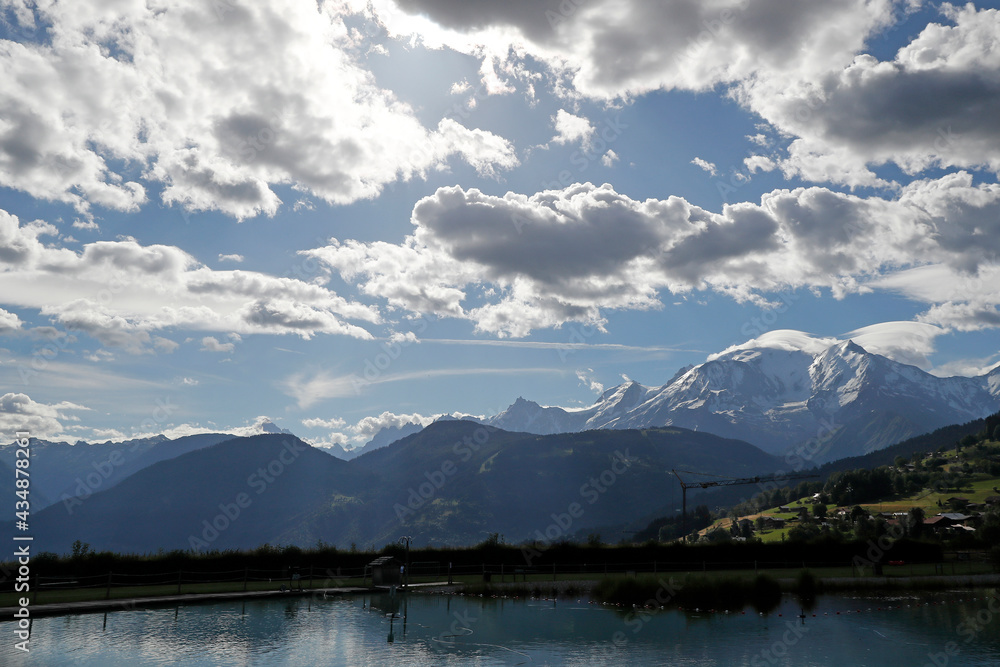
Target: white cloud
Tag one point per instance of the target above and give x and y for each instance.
(211, 344)
(788, 340)
(138, 96)
(516, 263)
(934, 105)
(367, 427)
(9, 323)
(89, 225)
(586, 377)
(164, 344)
(801, 66)
(355, 435)
(705, 165)
(314, 386)
(906, 342)
(121, 292)
(571, 129)
(967, 367)
(19, 413)
(615, 48)
(609, 159)
(231, 258)
(334, 423)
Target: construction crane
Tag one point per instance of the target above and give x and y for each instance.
(724, 482)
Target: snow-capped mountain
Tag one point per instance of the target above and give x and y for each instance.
(383, 438)
(822, 400)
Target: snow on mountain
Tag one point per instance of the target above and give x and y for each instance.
(783, 391)
(385, 437)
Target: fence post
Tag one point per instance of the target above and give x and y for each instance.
(107, 595)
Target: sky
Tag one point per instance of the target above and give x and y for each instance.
(351, 214)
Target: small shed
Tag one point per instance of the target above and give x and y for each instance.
(385, 571)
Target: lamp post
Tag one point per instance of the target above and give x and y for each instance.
(405, 539)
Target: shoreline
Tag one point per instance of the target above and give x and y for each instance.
(831, 585)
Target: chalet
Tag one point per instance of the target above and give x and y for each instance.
(947, 520)
(773, 522)
(957, 517)
(992, 500)
(785, 508)
(938, 522)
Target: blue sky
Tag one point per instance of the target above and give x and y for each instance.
(349, 215)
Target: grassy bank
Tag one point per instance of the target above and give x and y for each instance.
(763, 592)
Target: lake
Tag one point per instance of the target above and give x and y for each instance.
(939, 629)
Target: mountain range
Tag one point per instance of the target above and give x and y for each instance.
(822, 402)
(452, 483)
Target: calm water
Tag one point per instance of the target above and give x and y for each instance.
(451, 630)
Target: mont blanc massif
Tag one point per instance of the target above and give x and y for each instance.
(784, 401)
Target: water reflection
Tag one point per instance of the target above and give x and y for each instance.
(407, 629)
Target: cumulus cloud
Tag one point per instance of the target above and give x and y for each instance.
(122, 292)
(367, 427)
(212, 344)
(355, 435)
(334, 423)
(231, 258)
(178, 97)
(613, 48)
(935, 105)
(9, 323)
(18, 412)
(572, 129)
(801, 66)
(565, 255)
(704, 165)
